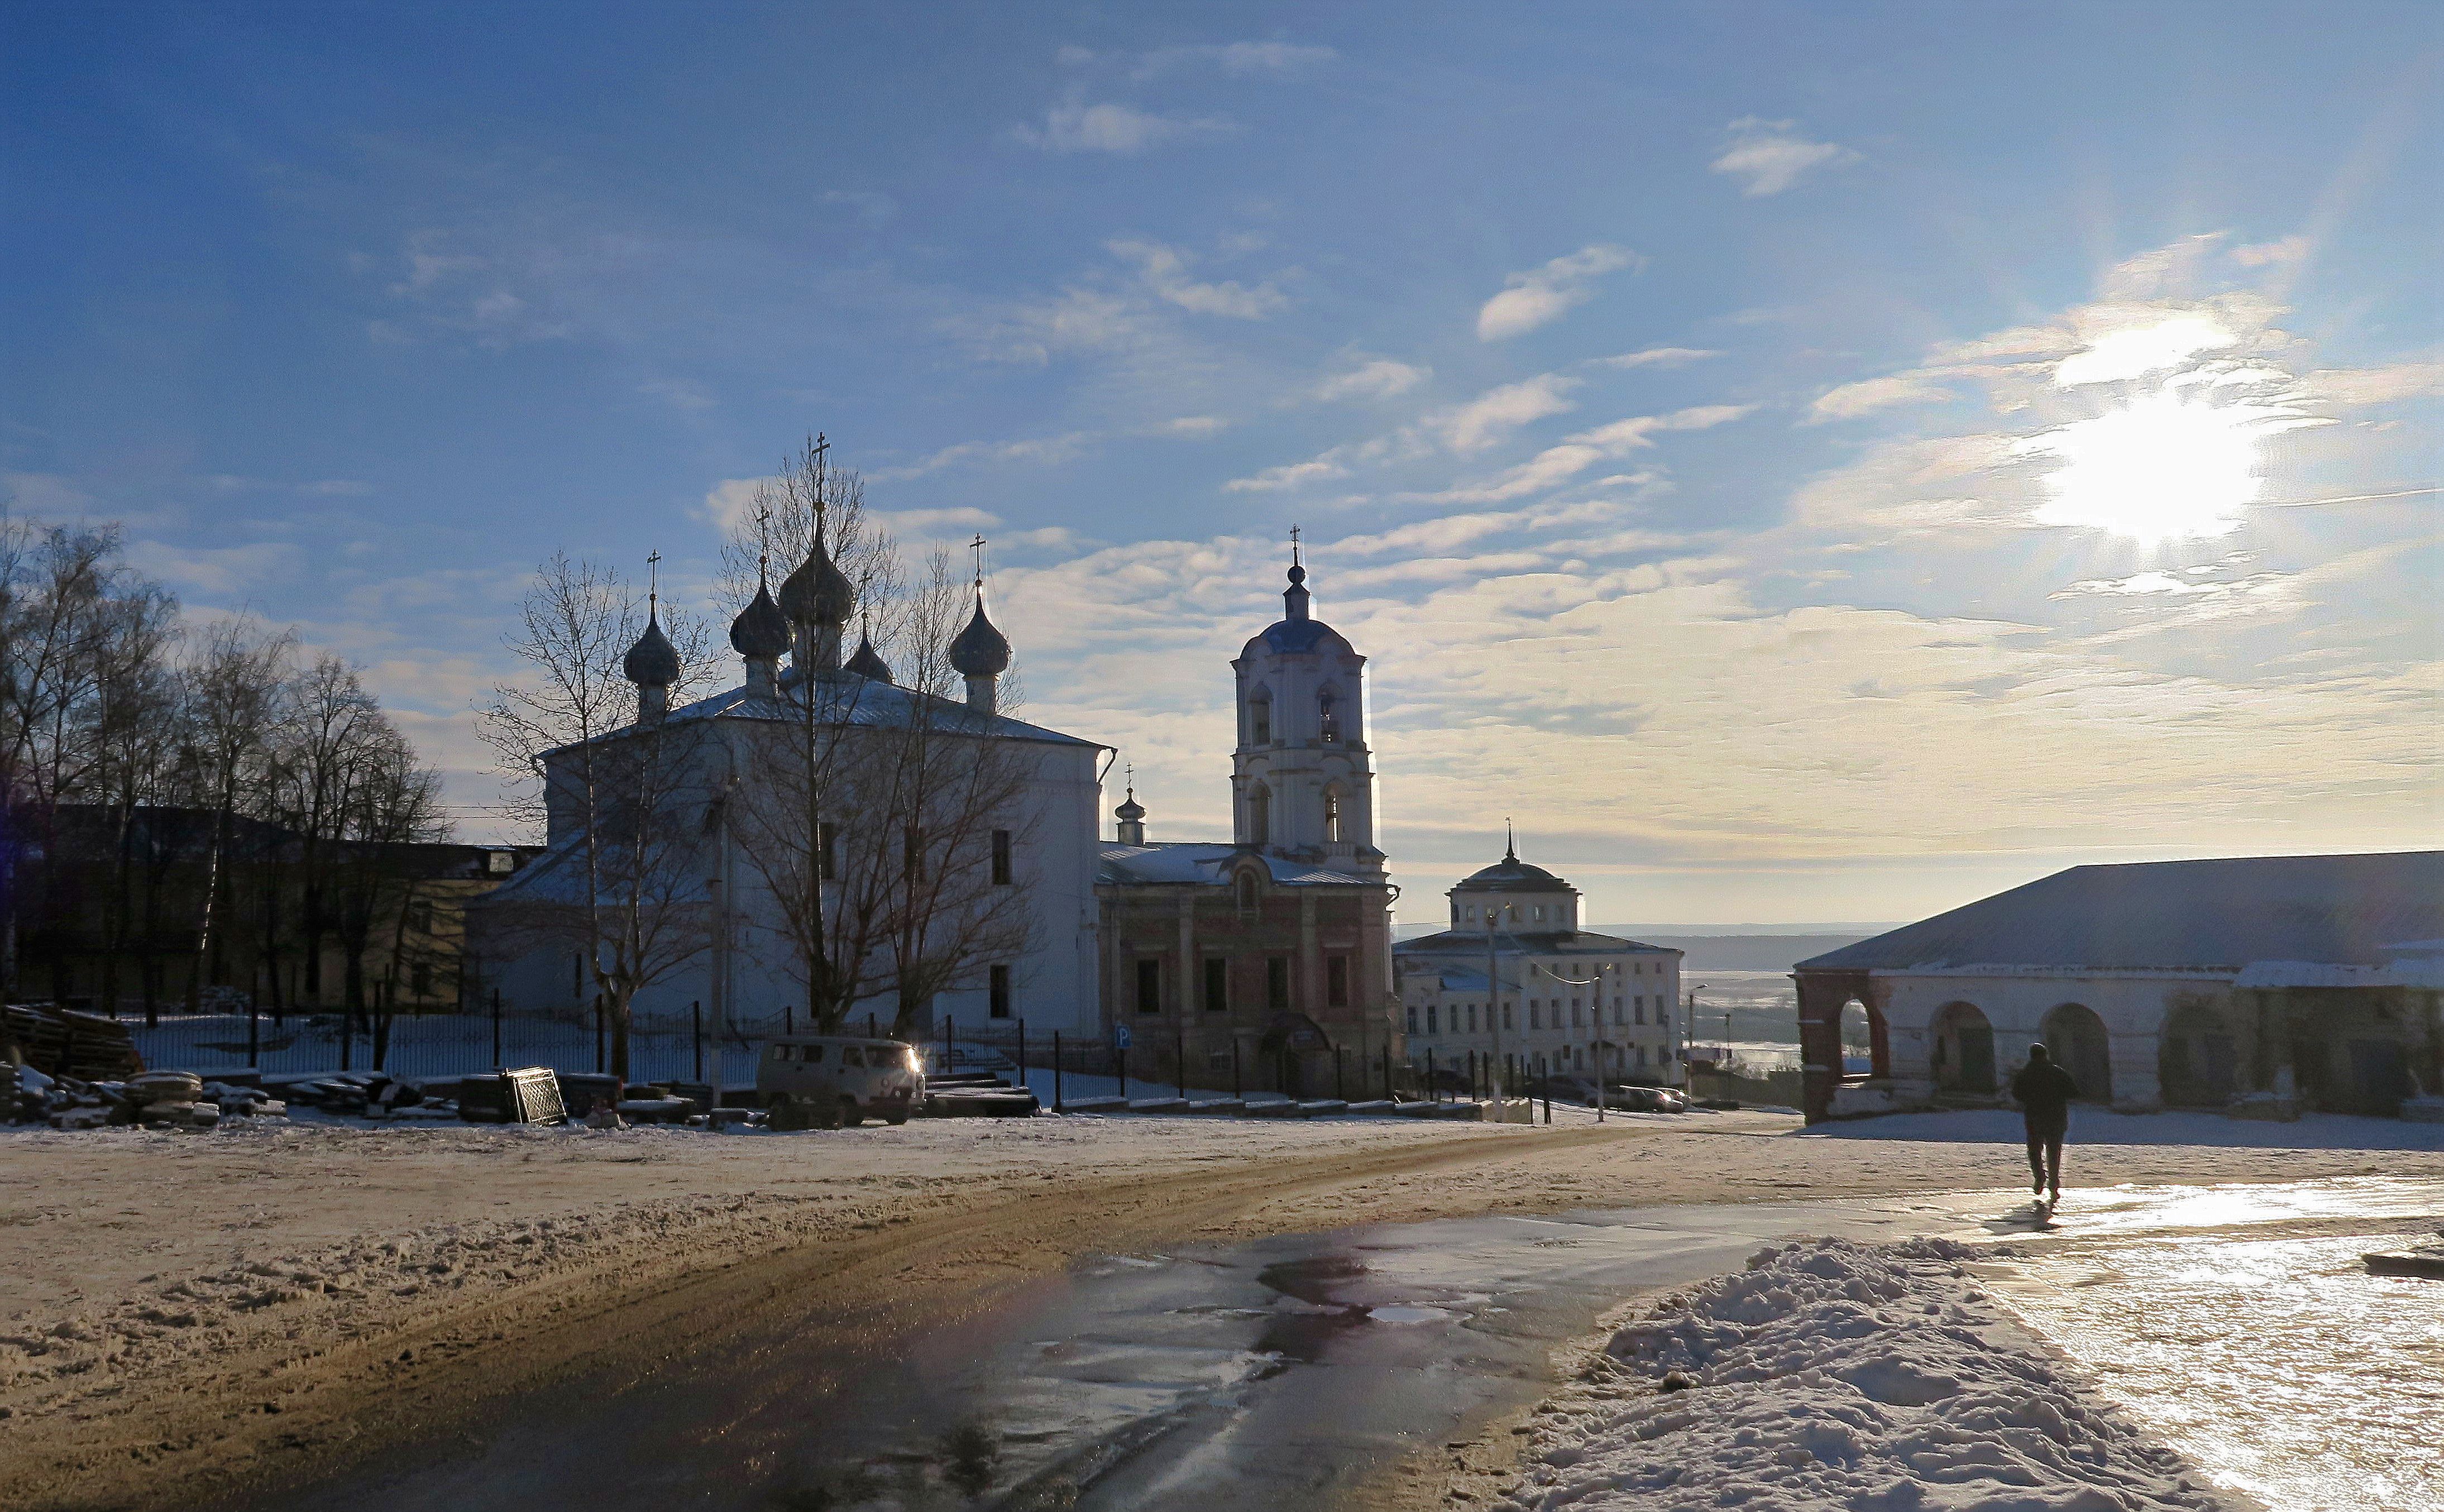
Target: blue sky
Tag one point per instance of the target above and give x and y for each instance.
(1803, 462)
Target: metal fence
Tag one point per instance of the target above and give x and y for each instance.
(439, 1044)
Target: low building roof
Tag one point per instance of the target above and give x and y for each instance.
(2209, 915)
(1210, 863)
(1566, 942)
(881, 705)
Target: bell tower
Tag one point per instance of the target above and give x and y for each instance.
(1302, 778)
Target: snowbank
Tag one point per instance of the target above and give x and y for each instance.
(1833, 1376)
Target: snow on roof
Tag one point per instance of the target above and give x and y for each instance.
(868, 702)
(2213, 916)
(1208, 864)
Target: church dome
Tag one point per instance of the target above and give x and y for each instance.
(1297, 631)
(1130, 808)
(653, 661)
(980, 650)
(1511, 875)
(818, 593)
(868, 662)
(760, 632)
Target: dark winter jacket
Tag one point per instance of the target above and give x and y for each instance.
(2045, 1090)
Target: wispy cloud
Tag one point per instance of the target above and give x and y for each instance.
(1541, 295)
(1077, 127)
(1496, 412)
(1165, 271)
(1377, 377)
(1768, 156)
(1653, 356)
(1558, 465)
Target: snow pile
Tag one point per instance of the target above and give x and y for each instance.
(1838, 1376)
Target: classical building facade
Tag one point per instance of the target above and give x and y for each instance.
(889, 818)
(1270, 955)
(1515, 979)
(2264, 986)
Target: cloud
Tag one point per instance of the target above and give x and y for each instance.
(1236, 59)
(1075, 126)
(1330, 464)
(679, 394)
(1541, 295)
(1165, 270)
(1557, 465)
(1076, 320)
(1653, 356)
(729, 504)
(1194, 425)
(1868, 396)
(1770, 156)
(224, 571)
(336, 488)
(872, 208)
(2138, 350)
(1373, 378)
(1050, 448)
(2273, 254)
(933, 521)
(2368, 387)
(1493, 414)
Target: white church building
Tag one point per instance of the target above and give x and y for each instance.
(733, 957)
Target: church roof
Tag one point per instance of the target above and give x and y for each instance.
(2211, 915)
(876, 705)
(1471, 943)
(1511, 875)
(1209, 864)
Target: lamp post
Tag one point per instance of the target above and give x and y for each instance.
(1689, 1031)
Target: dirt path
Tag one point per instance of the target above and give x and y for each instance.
(281, 1363)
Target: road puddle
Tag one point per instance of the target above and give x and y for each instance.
(1282, 1374)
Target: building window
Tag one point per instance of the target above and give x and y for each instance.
(1641, 1008)
(422, 980)
(1574, 1014)
(1472, 1018)
(1260, 814)
(501, 862)
(1663, 1015)
(1412, 1018)
(1535, 1014)
(1469, 913)
(1260, 720)
(1002, 873)
(1506, 1015)
(420, 917)
(1432, 1019)
(1150, 986)
(1248, 889)
(1218, 984)
(1277, 982)
(997, 992)
(1336, 981)
(1617, 1017)
(1327, 710)
(1332, 815)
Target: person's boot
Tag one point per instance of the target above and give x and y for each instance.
(2055, 1196)
(2037, 1184)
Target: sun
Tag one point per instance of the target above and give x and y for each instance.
(2162, 466)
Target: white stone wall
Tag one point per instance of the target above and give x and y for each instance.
(2133, 1006)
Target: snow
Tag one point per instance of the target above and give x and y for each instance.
(1836, 1376)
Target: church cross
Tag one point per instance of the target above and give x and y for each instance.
(654, 578)
(1294, 546)
(978, 546)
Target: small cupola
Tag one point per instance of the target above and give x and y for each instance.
(980, 652)
(652, 665)
(761, 636)
(867, 662)
(1131, 815)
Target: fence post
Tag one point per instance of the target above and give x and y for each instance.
(1180, 1061)
(1121, 1054)
(1234, 1064)
(869, 1026)
(598, 1034)
(497, 1028)
(1022, 1053)
(1339, 1091)
(949, 1040)
(1547, 1067)
(254, 1029)
(695, 1034)
(347, 1035)
(1388, 1096)
(1056, 1071)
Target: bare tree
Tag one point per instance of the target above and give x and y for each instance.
(235, 692)
(621, 802)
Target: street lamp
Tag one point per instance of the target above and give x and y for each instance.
(1689, 1031)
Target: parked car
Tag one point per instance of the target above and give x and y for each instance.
(828, 1082)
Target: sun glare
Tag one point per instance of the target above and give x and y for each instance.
(2142, 350)
(2160, 467)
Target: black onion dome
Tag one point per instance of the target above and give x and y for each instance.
(868, 662)
(760, 632)
(818, 593)
(653, 661)
(980, 650)
(1130, 808)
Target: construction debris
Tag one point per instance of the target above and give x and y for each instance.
(63, 1042)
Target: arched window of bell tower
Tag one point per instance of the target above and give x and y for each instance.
(1260, 718)
(1332, 815)
(1328, 710)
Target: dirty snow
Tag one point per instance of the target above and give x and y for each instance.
(1834, 1376)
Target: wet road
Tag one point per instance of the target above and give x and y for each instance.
(1276, 1376)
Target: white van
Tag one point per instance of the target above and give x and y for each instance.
(826, 1081)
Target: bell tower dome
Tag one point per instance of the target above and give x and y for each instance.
(1302, 778)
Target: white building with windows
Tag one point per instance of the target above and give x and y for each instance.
(1515, 975)
(731, 956)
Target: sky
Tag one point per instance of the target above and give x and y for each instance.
(1800, 463)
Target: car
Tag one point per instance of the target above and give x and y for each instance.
(829, 1081)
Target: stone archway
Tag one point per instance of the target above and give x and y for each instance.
(2075, 1037)
(1859, 1037)
(1963, 1051)
(2197, 1058)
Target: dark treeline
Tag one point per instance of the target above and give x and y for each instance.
(192, 808)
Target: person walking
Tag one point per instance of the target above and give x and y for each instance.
(2044, 1091)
